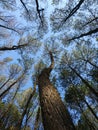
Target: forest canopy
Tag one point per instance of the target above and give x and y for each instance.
(48, 65)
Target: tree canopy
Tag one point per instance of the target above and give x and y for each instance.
(38, 35)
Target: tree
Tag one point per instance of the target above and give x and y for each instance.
(54, 113)
(11, 117)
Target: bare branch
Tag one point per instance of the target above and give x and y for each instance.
(25, 7)
(74, 10)
(84, 34)
(2, 19)
(39, 11)
(4, 83)
(2, 26)
(12, 48)
(90, 21)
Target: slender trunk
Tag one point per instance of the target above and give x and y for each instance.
(91, 126)
(37, 119)
(55, 116)
(89, 123)
(6, 90)
(85, 82)
(91, 63)
(4, 83)
(91, 109)
(25, 109)
(27, 118)
(84, 100)
(6, 112)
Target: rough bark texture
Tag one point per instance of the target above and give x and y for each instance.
(54, 114)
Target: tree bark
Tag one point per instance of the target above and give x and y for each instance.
(55, 116)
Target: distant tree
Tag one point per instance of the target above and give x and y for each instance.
(10, 117)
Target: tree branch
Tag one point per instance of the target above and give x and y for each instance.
(25, 7)
(2, 26)
(74, 10)
(90, 21)
(84, 34)
(52, 60)
(39, 10)
(12, 48)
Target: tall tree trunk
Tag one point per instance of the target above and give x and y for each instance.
(55, 116)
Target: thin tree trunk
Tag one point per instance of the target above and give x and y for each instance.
(91, 126)
(85, 82)
(82, 111)
(6, 90)
(25, 108)
(55, 116)
(27, 118)
(91, 63)
(37, 119)
(84, 100)
(4, 83)
(94, 114)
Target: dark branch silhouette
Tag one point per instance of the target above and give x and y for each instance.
(10, 86)
(84, 34)
(4, 83)
(25, 8)
(84, 81)
(39, 11)
(12, 48)
(74, 10)
(3, 20)
(96, 18)
(9, 28)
